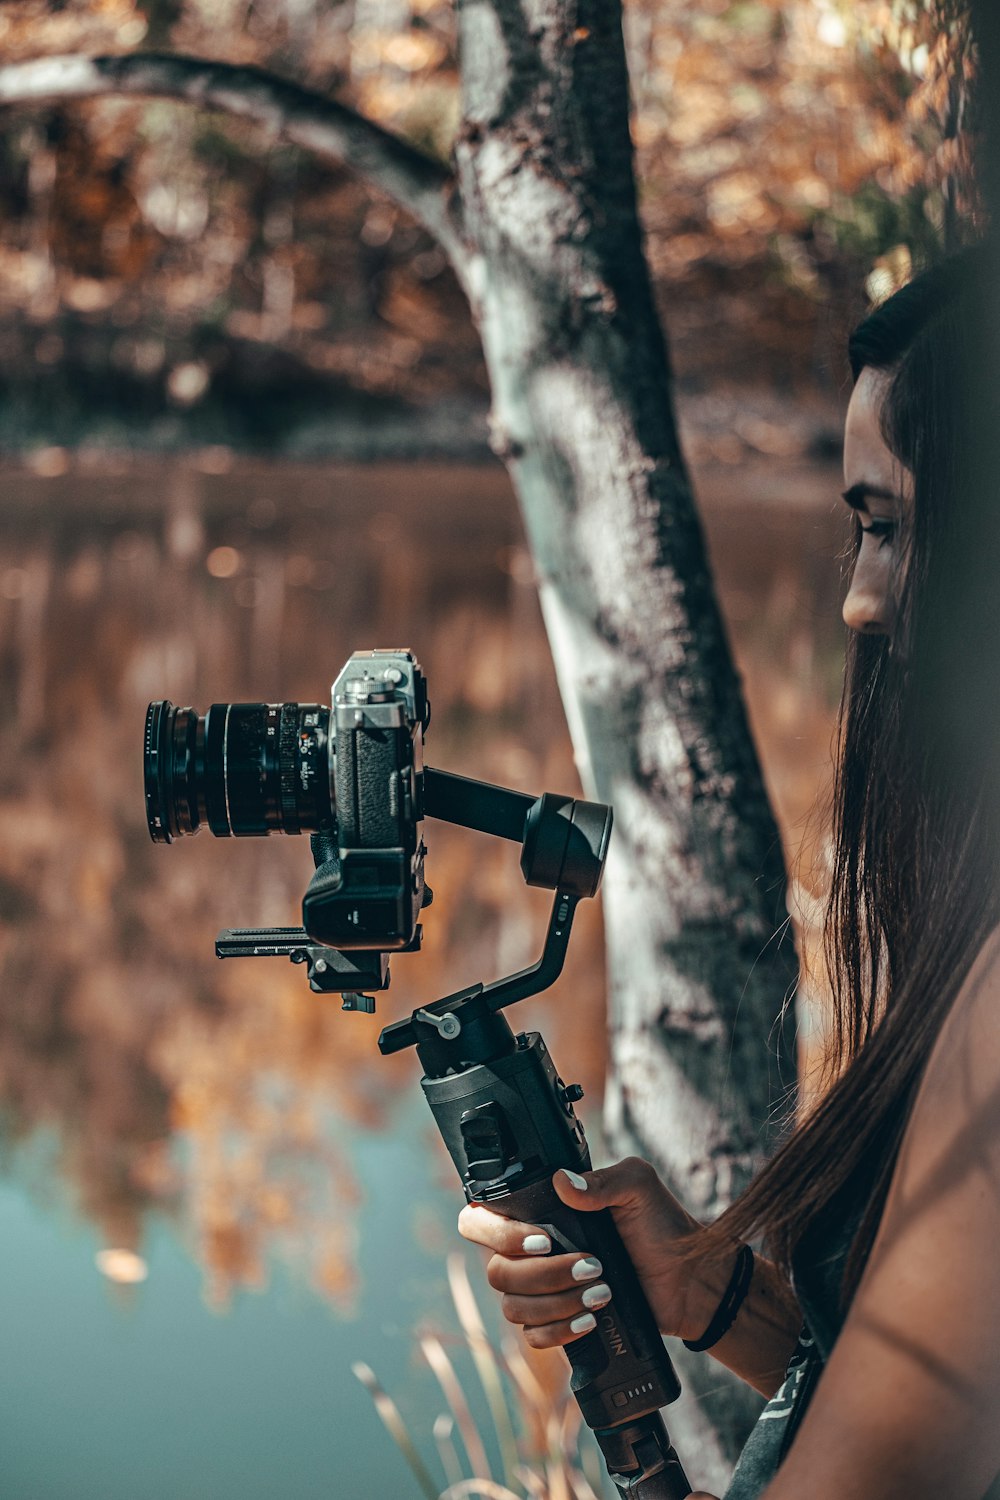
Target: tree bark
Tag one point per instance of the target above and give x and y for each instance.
(543, 231)
(582, 415)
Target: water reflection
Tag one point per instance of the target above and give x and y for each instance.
(214, 1091)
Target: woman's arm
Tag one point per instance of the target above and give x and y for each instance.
(908, 1407)
(547, 1294)
(763, 1338)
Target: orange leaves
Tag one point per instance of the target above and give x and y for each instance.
(31, 28)
(408, 51)
(738, 202)
(758, 124)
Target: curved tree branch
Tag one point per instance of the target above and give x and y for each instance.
(323, 126)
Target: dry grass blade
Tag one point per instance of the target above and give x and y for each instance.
(434, 1353)
(533, 1400)
(565, 1476)
(555, 1430)
(581, 1486)
(592, 1465)
(554, 1433)
(530, 1387)
(532, 1483)
(485, 1360)
(488, 1489)
(444, 1426)
(396, 1427)
(558, 1479)
(556, 1468)
(572, 1422)
(571, 1419)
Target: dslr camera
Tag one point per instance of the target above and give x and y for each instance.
(351, 774)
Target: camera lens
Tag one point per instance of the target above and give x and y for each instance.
(244, 769)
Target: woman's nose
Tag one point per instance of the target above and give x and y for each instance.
(869, 607)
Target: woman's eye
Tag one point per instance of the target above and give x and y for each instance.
(884, 530)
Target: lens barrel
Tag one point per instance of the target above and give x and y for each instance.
(246, 769)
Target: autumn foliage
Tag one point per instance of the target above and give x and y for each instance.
(214, 282)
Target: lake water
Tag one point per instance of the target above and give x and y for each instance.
(113, 1394)
(274, 1178)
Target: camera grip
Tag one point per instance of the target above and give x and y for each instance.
(625, 1352)
(621, 1371)
(508, 1121)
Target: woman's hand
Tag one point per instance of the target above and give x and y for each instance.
(554, 1297)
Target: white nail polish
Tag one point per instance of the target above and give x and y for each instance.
(536, 1244)
(587, 1269)
(585, 1323)
(596, 1296)
(580, 1183)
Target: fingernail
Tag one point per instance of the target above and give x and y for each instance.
(580, 1183)
(596, 1296)
(584, 1323)
(586, 1270)
(536, 1244)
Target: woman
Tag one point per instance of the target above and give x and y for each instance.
(874, 1326)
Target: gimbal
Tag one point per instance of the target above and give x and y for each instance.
(506, 1115)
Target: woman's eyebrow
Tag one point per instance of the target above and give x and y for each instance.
(858, 495)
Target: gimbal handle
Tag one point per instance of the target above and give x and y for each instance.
(508, 1121)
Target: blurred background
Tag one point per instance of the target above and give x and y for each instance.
(243, 434)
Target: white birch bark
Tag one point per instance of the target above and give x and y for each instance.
(694, 889)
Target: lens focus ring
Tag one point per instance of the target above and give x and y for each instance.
(245, 769)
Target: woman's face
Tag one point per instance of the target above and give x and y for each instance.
(879, 491)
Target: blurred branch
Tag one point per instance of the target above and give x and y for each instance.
(323, 126)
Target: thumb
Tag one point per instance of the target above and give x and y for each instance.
(617, 1186)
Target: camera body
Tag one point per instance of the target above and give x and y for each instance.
(369, 886)
(351, 774)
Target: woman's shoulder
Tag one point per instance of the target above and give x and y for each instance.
(914, 1374)
(954, 1128)
(965, 1062)
(983, 977)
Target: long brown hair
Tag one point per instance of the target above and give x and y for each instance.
(916, 825)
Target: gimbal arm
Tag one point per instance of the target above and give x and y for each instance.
(476, 804)
(564, 842)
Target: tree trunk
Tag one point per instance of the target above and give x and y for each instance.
(582, 415)
(543, 230)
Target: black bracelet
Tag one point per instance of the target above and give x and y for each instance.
(732, 1300)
